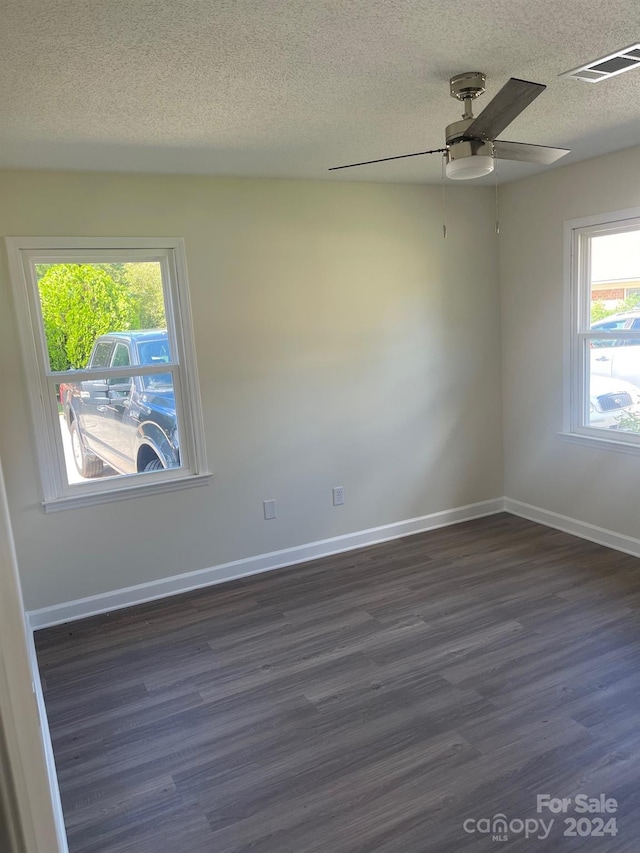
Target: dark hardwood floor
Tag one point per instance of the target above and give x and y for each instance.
(370, 701)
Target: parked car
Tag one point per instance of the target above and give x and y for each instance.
(610, 400)
(128, 422)
(619, 357)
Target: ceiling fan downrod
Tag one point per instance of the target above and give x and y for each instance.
(467, 87)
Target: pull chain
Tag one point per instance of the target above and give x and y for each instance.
(495, 172)
(444, 207)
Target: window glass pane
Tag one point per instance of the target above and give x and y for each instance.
(619, 359)
(615, 278)
(102, 354)
(104, 319)
(121, 356)
(80, 302)
(154, 350)
(158, 382)
(614, 404)
(597, 343)
(118, 426)
(611, 325)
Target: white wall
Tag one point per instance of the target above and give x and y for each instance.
(10, 829)
(29, 798)
(340, 341)
(541, 468)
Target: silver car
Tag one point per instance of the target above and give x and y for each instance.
(619, 357)
(610, 400)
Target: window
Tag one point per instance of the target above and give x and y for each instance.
(88, 308)
(603, 337)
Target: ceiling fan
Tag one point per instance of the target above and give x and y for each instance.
(472, 144)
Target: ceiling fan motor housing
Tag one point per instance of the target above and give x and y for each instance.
(470, 84)
(457, 131)
(469, 148)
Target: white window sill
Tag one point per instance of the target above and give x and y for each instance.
(601, 443)
(136, 491)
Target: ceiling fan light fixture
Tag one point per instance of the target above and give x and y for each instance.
(468, 159)
(467, 168)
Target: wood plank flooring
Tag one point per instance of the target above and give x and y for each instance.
(370, 701)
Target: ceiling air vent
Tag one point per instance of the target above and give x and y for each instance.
(607, 66)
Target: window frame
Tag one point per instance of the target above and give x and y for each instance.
(23, 254)
(577, 326)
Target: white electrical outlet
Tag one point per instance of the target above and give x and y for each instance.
(338, 495)
(269, 510)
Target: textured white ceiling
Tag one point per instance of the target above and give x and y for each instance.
(287, 88)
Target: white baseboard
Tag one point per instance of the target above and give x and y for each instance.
(117, 599)
(56, 803)
(108, 601)
(600, 535)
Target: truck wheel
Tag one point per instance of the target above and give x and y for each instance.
(87, 464)
(154, 465)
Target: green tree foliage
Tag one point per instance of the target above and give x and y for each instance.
(600, 312)
(144, 281)
(630, 422)
(80, 302)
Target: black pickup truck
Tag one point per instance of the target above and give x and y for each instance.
(128, 422)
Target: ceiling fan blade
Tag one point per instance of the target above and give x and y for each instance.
(526, 153)
(511, 100)
(384, 159)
